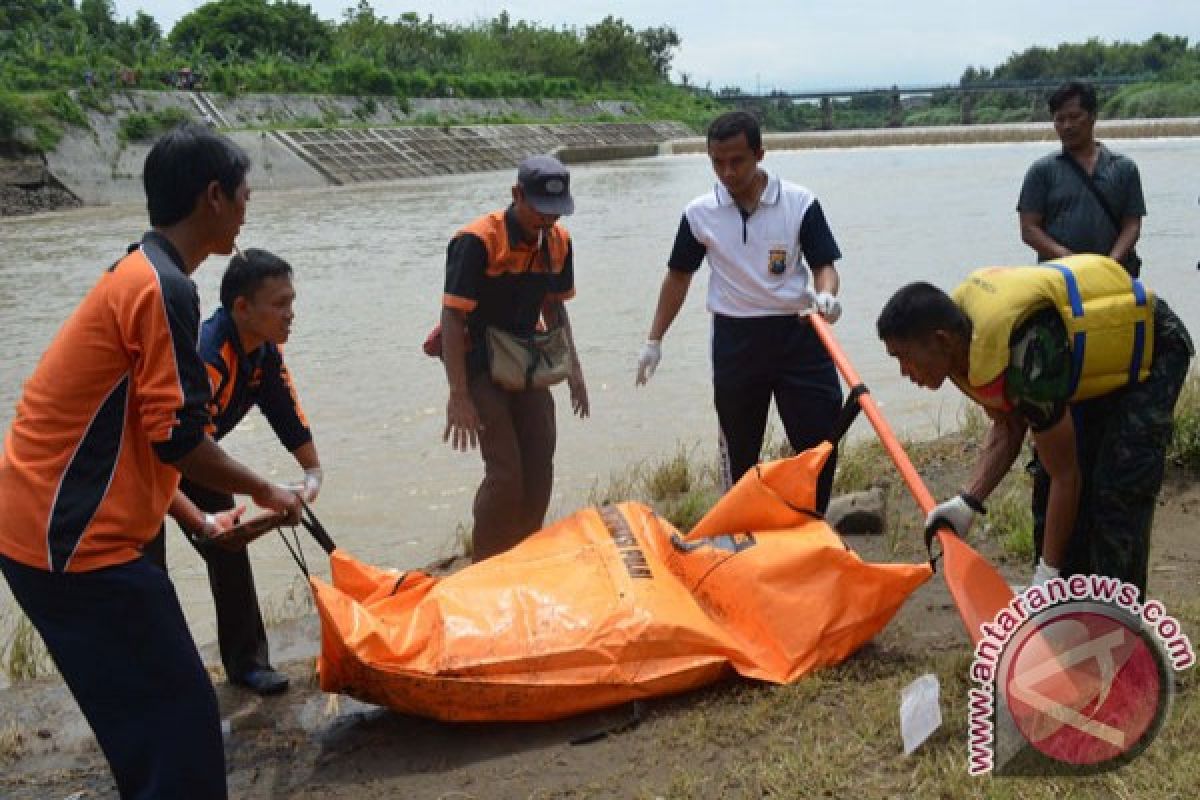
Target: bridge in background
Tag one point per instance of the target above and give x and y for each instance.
(1036, 89)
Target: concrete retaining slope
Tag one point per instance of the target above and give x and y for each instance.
(99, 169)
(375, 154)
(299, 110)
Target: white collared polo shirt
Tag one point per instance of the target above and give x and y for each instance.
(760, 262)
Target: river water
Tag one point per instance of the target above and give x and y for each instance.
(369, 264)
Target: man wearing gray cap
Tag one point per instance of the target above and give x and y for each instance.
(508, 274)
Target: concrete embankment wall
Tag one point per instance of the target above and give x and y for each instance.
(27, 185)
(309, 141)
(351, 140)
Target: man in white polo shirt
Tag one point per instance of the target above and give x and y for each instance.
(771, 254)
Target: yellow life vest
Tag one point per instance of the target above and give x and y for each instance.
(1109, 318)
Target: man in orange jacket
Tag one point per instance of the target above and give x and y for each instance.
(113, 414)
(509, 270)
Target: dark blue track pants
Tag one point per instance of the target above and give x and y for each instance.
(757, 358)
(241, 634)
(120, 641)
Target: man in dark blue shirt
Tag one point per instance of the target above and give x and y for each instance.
(1060, 214)
(240, 345)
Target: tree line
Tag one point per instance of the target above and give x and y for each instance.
(1161, 57)
(1164, 72)
(282, 46)
(50, 46)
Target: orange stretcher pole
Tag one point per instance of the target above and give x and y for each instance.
(978, 589)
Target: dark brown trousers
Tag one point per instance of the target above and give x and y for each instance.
(517, 443)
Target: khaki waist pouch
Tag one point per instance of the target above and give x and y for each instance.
(518, 363)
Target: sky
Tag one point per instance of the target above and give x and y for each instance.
(807, 45)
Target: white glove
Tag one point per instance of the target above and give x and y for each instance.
(825, 304)
(958, 512)
(648, 360)
(1044, 573)
(313, 477)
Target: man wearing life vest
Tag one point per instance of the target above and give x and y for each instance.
(113, 414)
(509, 270)
(1072, 343)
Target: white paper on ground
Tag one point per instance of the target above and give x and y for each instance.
(920, 711)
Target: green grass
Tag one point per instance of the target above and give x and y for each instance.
(97, 99)
(939, 115)
(681, 488)
(12, 742)
(24, 656)
(464, 544)
(1009, 518)
(836, 734)
(973, 423)
(675, 475)
(35, 120)
(296, 602)
(299, 122)
(858, 466)
(143, 126)
(1185, 443)
(67, 110)
(622, 485)
(685, 510)
(1151, 100)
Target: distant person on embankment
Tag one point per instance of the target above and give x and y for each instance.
(506, 273)
(114, 412)
(242, 348)
(771, 253)
(1083, 198)
(1040, 348)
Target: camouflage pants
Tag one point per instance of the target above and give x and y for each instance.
(1121, 440)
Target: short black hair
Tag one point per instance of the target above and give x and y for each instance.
(181, 165)
(1084, 91)
(731, 123)
(247, 271)
(917, 310)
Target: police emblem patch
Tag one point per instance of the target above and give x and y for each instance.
(777, 261)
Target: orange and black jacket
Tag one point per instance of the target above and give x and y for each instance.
(119, 395)
(242, 380)
(497, 279)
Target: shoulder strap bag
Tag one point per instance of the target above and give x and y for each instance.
(1132, 262)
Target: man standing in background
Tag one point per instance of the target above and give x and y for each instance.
(508, 271)
(771, 253)
(1081, 199)
(1084, 198)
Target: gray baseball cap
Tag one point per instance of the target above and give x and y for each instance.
(547, 185)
